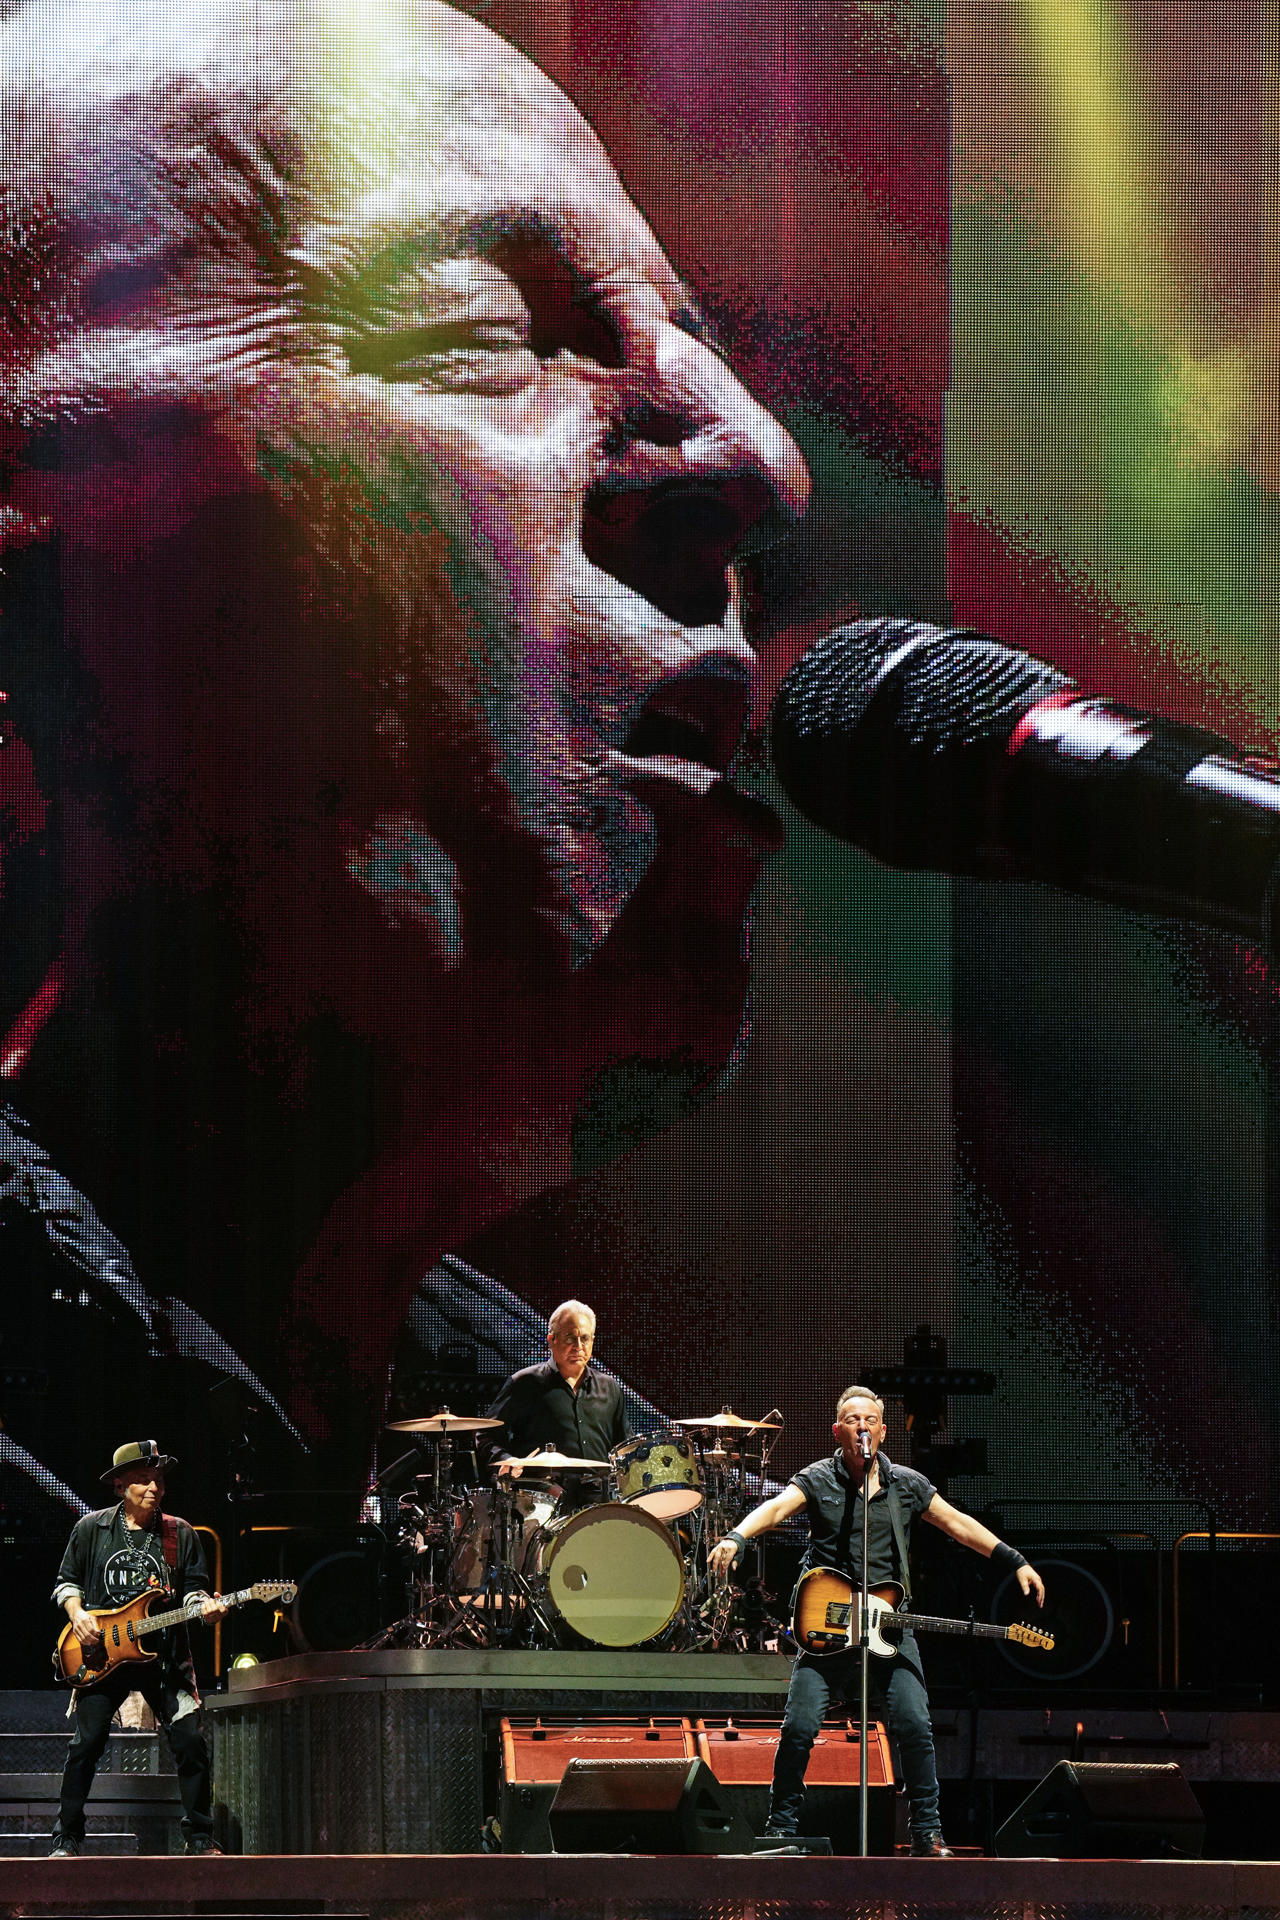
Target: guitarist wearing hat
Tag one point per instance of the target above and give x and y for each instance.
(831, 1492)
(112, 1556)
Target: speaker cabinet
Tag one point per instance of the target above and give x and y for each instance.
(338, 1572)
(1106, 1810)
(535, 1755)
(644, 1806)
(740, 1752)
(1103, 1610)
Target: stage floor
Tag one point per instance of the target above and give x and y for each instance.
(640, 1887)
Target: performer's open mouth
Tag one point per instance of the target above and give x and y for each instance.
(687, 734)
(695, 716)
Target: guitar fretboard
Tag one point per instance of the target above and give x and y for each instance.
(930, 1623)
(180, 1616)
(840, 1612)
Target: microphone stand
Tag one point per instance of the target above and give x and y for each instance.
(864, 1647)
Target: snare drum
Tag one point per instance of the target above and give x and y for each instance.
(612, 1573)
(659, 1473)
(531, 1510)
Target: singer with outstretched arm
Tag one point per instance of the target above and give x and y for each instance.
(830, 1492)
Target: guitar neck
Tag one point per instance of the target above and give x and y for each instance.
(930, 1623)
(179, 1617)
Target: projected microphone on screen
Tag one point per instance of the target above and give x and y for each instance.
(942, 749)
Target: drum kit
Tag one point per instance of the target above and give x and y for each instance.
(558, 1552)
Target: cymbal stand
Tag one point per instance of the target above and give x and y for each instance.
(428, 1530)
(711, 1604)
(736, 1616)
(504, 1582)
(687, 1632)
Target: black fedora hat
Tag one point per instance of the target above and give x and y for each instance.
(138, 1453)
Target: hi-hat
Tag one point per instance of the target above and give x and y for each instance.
(721, 1422)
(560, 1461)
(444, 1422)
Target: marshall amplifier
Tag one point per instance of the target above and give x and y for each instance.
(740, 1754)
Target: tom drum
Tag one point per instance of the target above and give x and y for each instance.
(658, 1473)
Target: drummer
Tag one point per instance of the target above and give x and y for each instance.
(565, 1403)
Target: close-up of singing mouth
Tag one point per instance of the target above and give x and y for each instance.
(697, 716)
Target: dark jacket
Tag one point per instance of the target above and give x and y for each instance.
(109, 1563)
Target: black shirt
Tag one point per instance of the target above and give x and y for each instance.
(833, 1503)
(539, 1408)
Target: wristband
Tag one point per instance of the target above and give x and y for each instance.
(739, 1543)
(1007, 1558)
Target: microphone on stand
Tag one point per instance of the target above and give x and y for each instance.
(942, 749)
(864, 1445)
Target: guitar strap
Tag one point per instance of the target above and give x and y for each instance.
(169, 1535)
(900, 1539)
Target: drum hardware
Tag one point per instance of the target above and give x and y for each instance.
(734, 1454)
(727, 1421)
(547, 1460)
(510, 1603)
(431, 1521)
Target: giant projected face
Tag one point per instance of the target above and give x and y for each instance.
(394, 497)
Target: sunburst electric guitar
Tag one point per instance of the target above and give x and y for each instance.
(825, 1619)
(125, 1628)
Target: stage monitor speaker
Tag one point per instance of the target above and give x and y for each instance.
(644, 1806)
(536, 1753)
(1106, 1810)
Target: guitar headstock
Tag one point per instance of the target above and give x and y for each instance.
(285, 1591)
(1031, 1637)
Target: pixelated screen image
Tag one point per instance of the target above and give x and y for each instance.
(431, 436)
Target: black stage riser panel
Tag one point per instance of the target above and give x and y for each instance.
(349, 1773)
(389, 1757)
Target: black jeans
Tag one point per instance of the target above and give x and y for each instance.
(897, 1695)
(94, 1712)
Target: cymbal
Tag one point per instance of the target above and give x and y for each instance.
(560, 1461)
(444, 1422)
(718, 1422)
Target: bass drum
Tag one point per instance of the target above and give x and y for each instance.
(613, 1574)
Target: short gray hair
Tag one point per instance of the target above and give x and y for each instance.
(858, 1393)
(578, 1308)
